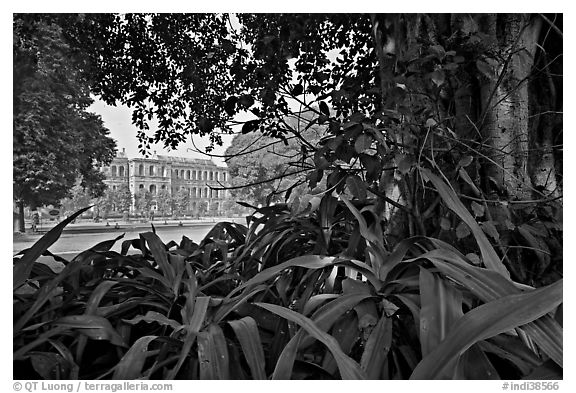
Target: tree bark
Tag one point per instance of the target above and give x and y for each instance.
(21, 224)
(504, 100)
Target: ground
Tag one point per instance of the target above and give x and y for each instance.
(81, 236)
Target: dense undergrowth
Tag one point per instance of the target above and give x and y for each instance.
(320, 294)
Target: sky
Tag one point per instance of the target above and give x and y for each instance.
(118, 120)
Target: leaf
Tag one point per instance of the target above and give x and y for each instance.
(490, 229)
(213, 354)
(405, 165)
(92, 326)
(250, 126)
(23, 266)
(324, 108)
(486, 321)
(131, 364)
(247, 332)
(489, 285)
(465, 161)
(475, 259)
(48, 365)
(349, 369)
(230, 105)
(246, 100)
(445, 223)
(356, 186)
(362, 143)
(462, 230)
(376, 348)
(489, 256)
(485, 69)
(441, 307)
(297, 90)
(97, 295)
(477, 208)
(438, 77)
(158, 250)
(153, 316)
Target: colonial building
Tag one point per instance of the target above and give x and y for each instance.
(171, 174)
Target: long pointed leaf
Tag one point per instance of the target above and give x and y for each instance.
(23, 266)
(213, 354)
(489, 285)
(247, 332)
(376, 348)
(130, 366)
(489, 256)
(349, 369)
(487, 321)
(441, 307)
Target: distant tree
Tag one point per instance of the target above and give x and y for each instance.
(143, 201)
(78, 199)
(165, 202)
(55, 139)
(202, 208)
(123, 198)
(268, 166)
(182, 201)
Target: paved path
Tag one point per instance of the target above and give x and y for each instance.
(81, 236)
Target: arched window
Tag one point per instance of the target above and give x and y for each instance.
(113, 170)
(205, 175)
(193, 175)
(141, 170)
(163, 187)
(113, 188)
(151, 171)
(206, 192)
(141, 187)
(211, 175)
(121, 171)
(188, 174)
(163, 172)
(176, 173)
(193, 192)
(152, 189)
(182, 173)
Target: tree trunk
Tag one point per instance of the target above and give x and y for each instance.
(21, 223)
(504, 98)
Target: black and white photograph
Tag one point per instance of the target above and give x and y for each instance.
(286, 196)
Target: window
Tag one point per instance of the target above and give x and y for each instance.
(224, 176)
(211, 175)
(193, 192)
(193, 175)
(141, 170)
(141, 187)
(163, 187)
(188, 174)
(152, 189)
(163, 172)
(151, 172)
(121, 171)
(113, 170)
(176, 173)
(205, 175)
(113, 188)
(182, 173)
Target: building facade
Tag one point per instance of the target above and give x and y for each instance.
(195, 176)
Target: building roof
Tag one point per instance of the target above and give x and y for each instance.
(173, 160)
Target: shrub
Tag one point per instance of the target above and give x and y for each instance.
(317, 294)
